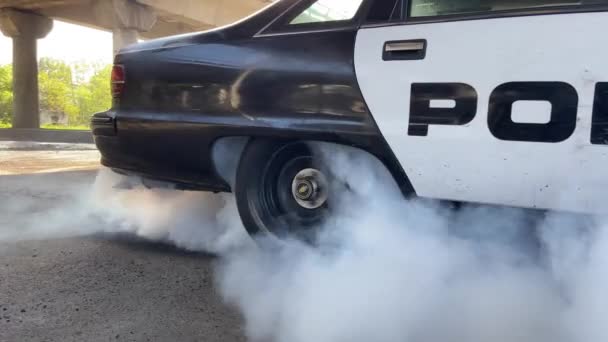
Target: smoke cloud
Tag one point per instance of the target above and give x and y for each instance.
(389, 270)
(384, 269)
(196, 221)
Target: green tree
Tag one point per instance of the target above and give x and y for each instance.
(57, 89)
(94, 95)
(99, 85)
(6, 93)
(75, 90)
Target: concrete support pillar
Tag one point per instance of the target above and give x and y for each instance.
(127, 18)
(25, 29)
(123, 37)
(26, 111)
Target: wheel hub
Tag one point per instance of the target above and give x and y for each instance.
(309, 188)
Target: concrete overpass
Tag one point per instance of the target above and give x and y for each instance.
(26, 21)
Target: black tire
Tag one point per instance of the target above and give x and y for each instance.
(264, 190)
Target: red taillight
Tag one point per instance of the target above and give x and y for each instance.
(118, 80)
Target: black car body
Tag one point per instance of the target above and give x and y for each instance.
(182, 94)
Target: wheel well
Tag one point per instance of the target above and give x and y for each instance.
(227, 152)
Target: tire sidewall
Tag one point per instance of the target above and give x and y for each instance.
(259, 156)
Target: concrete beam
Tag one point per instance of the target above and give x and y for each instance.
(86, 17)
(25, 29)
(124, 14)
(172, 16)
(208, 12)
(126, 18)
(37, 4)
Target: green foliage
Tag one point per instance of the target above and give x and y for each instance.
(94, 95)
(56, 89)
(62, 127)
(76, 91)
(6, 94)
(56, 70)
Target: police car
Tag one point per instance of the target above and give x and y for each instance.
(488, 101)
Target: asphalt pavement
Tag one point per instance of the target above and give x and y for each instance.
(100, 287)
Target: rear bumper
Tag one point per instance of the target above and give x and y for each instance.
(155, 157)
(103, 124)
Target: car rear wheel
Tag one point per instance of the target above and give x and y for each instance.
(281, 189)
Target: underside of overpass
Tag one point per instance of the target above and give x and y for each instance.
(26, 21)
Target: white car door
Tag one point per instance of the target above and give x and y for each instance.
(494, 109)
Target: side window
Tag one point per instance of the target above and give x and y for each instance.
(328, 11)
(383, 11)
(432, 8)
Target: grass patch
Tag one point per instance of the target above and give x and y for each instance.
(70, 128)
(55, 127)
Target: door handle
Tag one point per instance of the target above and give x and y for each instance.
(404, 50)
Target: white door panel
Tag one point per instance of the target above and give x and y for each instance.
(467, 162)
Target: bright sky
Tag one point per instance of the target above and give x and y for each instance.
(67, 42)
